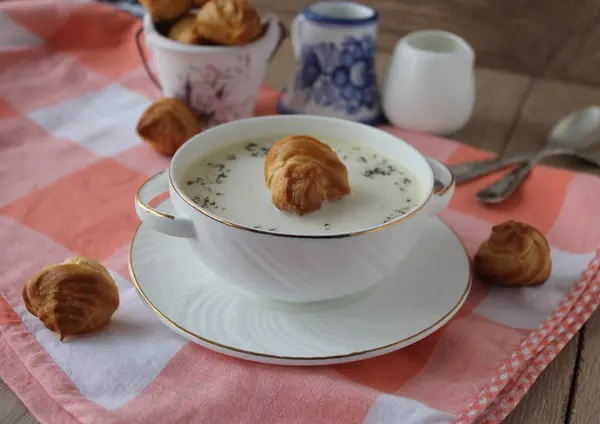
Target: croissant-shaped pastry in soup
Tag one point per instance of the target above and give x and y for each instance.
(229, 22)
(302, 172)
(166, 10)
(74, 297)
(516, 254)
(167, 124)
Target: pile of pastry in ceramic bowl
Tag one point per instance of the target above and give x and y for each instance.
(170, 122)
(208, 22)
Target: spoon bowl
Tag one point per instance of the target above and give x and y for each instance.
(578, 130)
(567, 137)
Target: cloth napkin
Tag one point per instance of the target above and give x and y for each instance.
(71, 90)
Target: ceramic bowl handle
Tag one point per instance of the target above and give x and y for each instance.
(443, 187)
(282, 33)
(160, 221)
(296, 35)
(140, 49)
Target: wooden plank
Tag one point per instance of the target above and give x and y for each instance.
(547, 400)
(506, 34)
(12, 409)
(547, 103)
(585, 408)
(27, 419)
(499, 96)
(579, 58)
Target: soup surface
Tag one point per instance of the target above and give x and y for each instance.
(230, 183)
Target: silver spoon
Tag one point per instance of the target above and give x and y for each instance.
(576, 131)
(470, 170)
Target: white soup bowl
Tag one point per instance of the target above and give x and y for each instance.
(299, 267)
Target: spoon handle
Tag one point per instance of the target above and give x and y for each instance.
(467, 171)
(505, 186)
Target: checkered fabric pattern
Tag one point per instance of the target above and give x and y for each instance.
(71, 90)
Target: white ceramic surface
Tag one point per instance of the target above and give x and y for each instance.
(219, 83)
(295, 267)
(334, 46)
(430, 84)
(413, 302)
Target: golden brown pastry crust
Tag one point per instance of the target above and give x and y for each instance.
(166, 10)
(516, 254)
(302, 172)
(74, 297)
(167, 124)
(184, 31)
(229, 22)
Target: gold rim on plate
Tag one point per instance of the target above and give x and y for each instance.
(297, 358)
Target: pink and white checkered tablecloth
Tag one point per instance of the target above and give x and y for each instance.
(71, 91)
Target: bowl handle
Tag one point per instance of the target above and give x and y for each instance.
(143, 58)
(282, 34)
(165, 223)
(443, 186)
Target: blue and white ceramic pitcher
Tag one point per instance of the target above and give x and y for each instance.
(334, 46)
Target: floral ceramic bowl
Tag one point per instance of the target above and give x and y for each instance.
(219, 83)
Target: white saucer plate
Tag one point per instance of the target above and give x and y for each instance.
(422, 295)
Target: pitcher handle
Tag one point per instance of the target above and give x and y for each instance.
(443, 187)
(296, 34)
(177, 226)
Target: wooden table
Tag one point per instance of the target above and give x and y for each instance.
(513, 114)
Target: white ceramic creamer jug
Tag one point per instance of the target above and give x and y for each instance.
(430, 84)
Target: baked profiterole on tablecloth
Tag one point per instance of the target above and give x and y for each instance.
(515, 254)
(167, 124)
(229, 22)
(74, 297)
(302, 172)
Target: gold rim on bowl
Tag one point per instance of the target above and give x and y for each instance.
(306, 236)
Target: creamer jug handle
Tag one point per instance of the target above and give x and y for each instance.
(296, 35)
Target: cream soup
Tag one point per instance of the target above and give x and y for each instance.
(230, 183)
